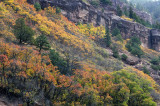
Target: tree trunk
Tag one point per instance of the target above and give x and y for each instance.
(40, 50)
(20, 41)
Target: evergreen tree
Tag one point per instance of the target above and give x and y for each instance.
(116, 32)
(119, 38)
(145, 70)
(23, 32)
(131, 12)
(119, 11)
(58, 61)
(106, 2)
(37, 6)
(108, 38)
(58, 10)
(126, 12)
(115, 52)
(133, 46)
(42, 43)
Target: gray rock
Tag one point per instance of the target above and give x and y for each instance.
(131, 60)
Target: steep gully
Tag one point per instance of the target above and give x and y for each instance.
(79, 11)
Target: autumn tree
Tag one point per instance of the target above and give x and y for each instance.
(4, 62)
(42, 43)
(23, 32)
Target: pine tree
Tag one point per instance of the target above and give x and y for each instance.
(119, 11)
(133, 46)
(106, 2)
(115, 52)
(37, 6)
(57, 60)
(108, 38)
(119, 38)
(131, 13)
(58, 10)
(126, 12)
(42, 43)
(23, 32)
(116, 32)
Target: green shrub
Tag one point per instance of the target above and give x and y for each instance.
(155, 67)
(136, 50)
(145, 70)
(58, 10)
(124, 57)
(155, 61)
(94, 3)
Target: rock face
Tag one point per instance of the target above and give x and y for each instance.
(145, 16)
(79, 11)
(129, 29)
(155, 39)
(142, 14)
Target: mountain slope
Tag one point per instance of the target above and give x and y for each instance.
(31, 78)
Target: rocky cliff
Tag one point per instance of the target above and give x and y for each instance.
(155, 39)
(79, 11)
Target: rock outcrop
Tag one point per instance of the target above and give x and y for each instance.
(155, 39)
(79, 11)
(142, 14)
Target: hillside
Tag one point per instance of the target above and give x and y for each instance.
(79, 67)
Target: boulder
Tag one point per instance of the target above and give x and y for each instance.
(131, 60)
